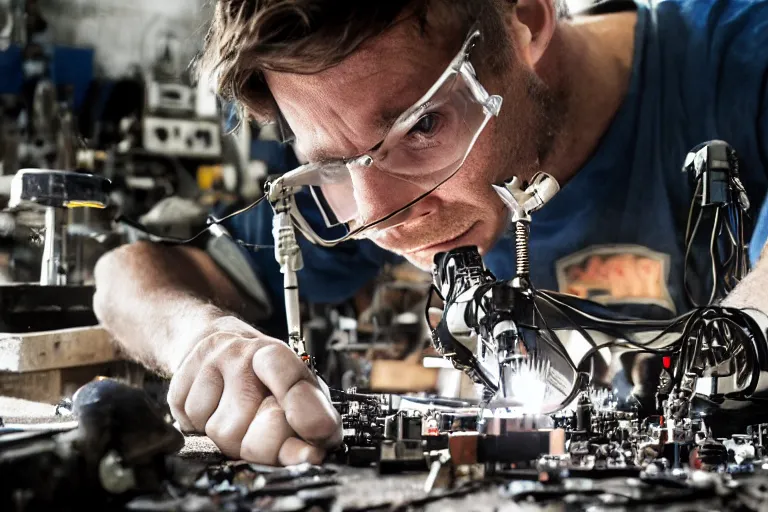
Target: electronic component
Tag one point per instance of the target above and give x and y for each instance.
(534, 350)
(716, 222)
(192, 138)
(362, 420)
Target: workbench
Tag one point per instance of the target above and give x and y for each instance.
(346, 489)
(365, 489)
(358, 489)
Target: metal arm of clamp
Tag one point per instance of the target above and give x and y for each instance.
(521, 203)
(288, 255)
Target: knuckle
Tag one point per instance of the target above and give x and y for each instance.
(315, 457)
(271, 350)
(210, 344)
(273, 358)
(269, 410)
(221, 349)
(231, 350)
(116, 260)
(100, 305)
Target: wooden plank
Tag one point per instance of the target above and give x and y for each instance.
(401, 376)
(30, 352)
(44, 386)
(50, 386)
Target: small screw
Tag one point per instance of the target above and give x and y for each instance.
(365, 161)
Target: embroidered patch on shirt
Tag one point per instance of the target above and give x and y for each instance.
(616, 274)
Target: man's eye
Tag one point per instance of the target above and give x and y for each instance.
(425, 126)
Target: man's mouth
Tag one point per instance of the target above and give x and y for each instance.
(445, 245)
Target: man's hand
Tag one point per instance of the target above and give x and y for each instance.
(253, 397)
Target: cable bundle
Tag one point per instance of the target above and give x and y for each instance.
(718, 207)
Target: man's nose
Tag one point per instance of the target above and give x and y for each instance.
(379, 194)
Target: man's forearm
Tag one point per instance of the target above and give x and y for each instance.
(159, 301)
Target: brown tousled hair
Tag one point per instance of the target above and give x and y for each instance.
(247, 37)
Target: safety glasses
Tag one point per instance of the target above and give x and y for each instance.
(424, 148)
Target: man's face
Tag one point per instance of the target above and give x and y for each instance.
(342, 112)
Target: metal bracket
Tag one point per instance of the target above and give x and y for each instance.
(522, 202)
(288, 255)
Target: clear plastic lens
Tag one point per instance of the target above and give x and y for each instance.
(425, 147)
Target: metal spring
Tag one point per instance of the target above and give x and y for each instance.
(523, 264)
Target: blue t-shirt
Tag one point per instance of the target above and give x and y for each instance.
(615, 232)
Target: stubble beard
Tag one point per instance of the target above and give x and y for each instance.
(526, 145)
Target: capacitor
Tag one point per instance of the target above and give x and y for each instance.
(584, 414)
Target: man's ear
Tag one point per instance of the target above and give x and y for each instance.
(532, 24)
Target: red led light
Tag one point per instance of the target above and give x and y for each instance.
(666, 361)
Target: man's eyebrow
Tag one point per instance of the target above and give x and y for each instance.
(386, 118)
(384, 121)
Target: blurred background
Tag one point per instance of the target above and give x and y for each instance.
(103, 88)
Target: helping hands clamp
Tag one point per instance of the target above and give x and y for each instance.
(288, 255)
(490, 327)
(482, 341)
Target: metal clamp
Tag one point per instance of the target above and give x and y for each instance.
(288, 255)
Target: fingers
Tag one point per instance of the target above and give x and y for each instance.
(204, 397)
(307, 410)
(178, 391)
(243, 395)
(256, 400)
(271, 440)
(198, 385)
(295, 451)
(266, 434)
(312, 415)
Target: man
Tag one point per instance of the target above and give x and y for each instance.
(608, 103)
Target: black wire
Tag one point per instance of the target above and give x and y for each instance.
(559, 348)
(728, 259)
(426, 306)
(181, 241)
(686, 317)
(682, 347)
(621, 323)
(733, 254)
(556, 343)
(715, 260)
(688, 246)
(576, 326)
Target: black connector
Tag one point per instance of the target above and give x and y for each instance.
(714, 163)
